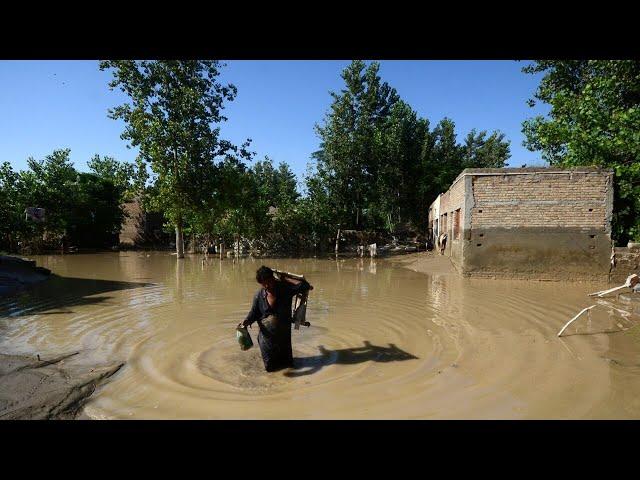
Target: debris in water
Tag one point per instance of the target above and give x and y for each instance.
(575, 318)
(631, 281)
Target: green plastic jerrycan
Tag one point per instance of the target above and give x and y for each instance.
(244, 339)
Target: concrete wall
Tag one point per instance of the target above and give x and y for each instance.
(533, 223)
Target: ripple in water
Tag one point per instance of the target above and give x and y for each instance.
(385, 342)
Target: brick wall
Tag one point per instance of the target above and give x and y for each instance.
(451, 201)
(532, 222)
(574, 200)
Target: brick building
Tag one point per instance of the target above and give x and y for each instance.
(544, 223)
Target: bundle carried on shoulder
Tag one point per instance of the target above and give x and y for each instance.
(299, 314)
(280, 275)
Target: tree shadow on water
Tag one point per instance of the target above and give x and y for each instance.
(347, 356)
(59, 294)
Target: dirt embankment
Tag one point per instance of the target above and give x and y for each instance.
(57, 388)
(17, 273)
(43, 388)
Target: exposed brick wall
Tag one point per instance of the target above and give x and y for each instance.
(574, 200)
(531, 222)
(451, 201)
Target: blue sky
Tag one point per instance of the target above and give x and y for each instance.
(46, 105)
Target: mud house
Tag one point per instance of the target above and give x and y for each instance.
(140, 227)
(544, 223)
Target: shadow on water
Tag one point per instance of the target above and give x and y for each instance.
(59, 294)
(347, 356)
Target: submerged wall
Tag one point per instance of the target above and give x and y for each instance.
(538, 223)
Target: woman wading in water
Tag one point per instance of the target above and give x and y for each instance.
(271, 308)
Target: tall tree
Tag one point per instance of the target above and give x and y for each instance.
(447, 156)
(347, 138)
(277, 186)
(11, 211)
(594, 120)
(266, 177)
(317, 206)
(95, 218)
(481, 151)
(127, 177)
(83, 207)
(174, 107)
(398, 166)
(51, 184)
(287, 191)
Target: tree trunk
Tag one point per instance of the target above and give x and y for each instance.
(337, 241)
(179, 240)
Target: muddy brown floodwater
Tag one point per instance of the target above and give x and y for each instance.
(385, 341)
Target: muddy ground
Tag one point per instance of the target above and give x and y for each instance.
(47, 389)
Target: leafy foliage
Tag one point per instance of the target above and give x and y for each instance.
(171, 116)
(83, 208)
(130, 179)
(594, 120)
(379, 165)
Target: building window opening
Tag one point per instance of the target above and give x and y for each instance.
(456, 224)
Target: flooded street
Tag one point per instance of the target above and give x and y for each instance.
(384, 341)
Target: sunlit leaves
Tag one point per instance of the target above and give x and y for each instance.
(594, 120)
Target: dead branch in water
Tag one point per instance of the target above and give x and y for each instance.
(574, 318)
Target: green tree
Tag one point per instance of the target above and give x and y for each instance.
(95, 218)
(317, 206)
(245, 213)
(286, 185)
(446, 155)
(277, 186)
(83, 207)
(127, 177)
(11, 216)
(594, 120)
(379, 165)
(348, 146)
(266, 177)
(172, 115)
(398, 167)
(481, 151)
(51, 184)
